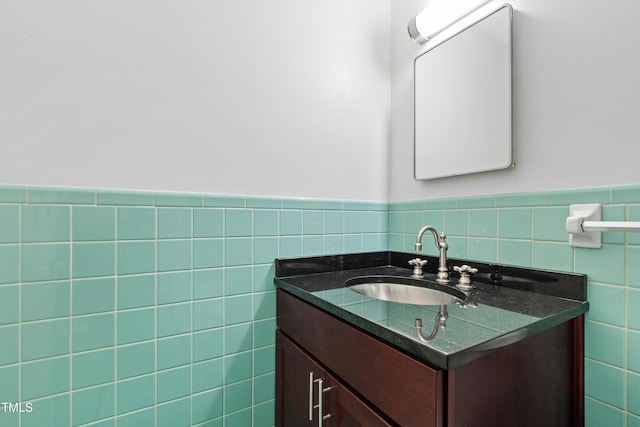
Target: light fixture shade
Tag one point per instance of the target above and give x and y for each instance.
(439, 15)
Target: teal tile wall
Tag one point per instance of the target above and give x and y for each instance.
(158, 308)
(528, 230)
(134, 308)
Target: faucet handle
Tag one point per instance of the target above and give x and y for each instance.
(417, 267)
(465, 276)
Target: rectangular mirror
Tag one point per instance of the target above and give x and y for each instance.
(462, 86)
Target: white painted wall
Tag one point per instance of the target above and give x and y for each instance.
(576, 100)
(284, 97)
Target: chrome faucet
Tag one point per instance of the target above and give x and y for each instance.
(442, 246)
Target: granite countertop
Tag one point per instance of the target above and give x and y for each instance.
(506, 305)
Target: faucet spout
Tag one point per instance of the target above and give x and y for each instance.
(442, 246)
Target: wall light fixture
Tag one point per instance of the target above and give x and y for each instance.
(438, 15)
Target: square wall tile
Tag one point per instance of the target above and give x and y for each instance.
(483, 249)
(238, 222)
(553, 256)
(265, 222)
(238, 251)
(290, 223)
(238, 367)
(136, 393)
(208, 283)
(136, 359)
(93, 259)
(598, 414)
(208, 314)
(9, 223)
(46, 223)
(313, 222)
(483, 223)
(174, 255)
(9, 264)
(514, 223)
(265, 249)
(146, 417)
(44, 339)
(633, 266)
(136, 325)
(208, 344)
(550, 224)
(174, 351)
(238, 309)
(238, 338)
(93, 332)
(208, 406)
(174, 319)
(174, 287)
(456, 223)
(94, 295)
(46, 300)
(9, 304)
(607, 303)
(51, 411)
(633, 393)
(93, 367)
(633, 351)
(264, 388)
(10, 380)
(264, 305)
(264, 360)
(238, 280)
(605, 343)
(93, 223)
(607, 264)
(136, 223)
(43, 262)
(207, 375)
(633, 304)
(45, 377)
(93, 404)
(174, 383)
(514, 252)
(208, 223)
(605, 383)
(208, 253)
(237, 396)
(9, 351)
(136, 291)
(136, 257)
(174, 223)
(171, 414)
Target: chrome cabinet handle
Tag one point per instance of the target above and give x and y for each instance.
(320, 405)
(311, 381)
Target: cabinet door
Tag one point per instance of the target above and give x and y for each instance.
(347, 410)
(298, 378)
(306, 395)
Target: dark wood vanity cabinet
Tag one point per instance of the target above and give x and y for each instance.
(310, 396)
(365, 382)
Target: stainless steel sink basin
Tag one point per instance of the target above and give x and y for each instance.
(405, 290)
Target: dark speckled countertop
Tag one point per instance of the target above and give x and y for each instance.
(506, 305)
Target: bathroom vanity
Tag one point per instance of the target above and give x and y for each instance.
(510, 353)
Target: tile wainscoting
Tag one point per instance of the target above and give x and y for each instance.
(134, 308)
(140, 308)
(528, 229)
